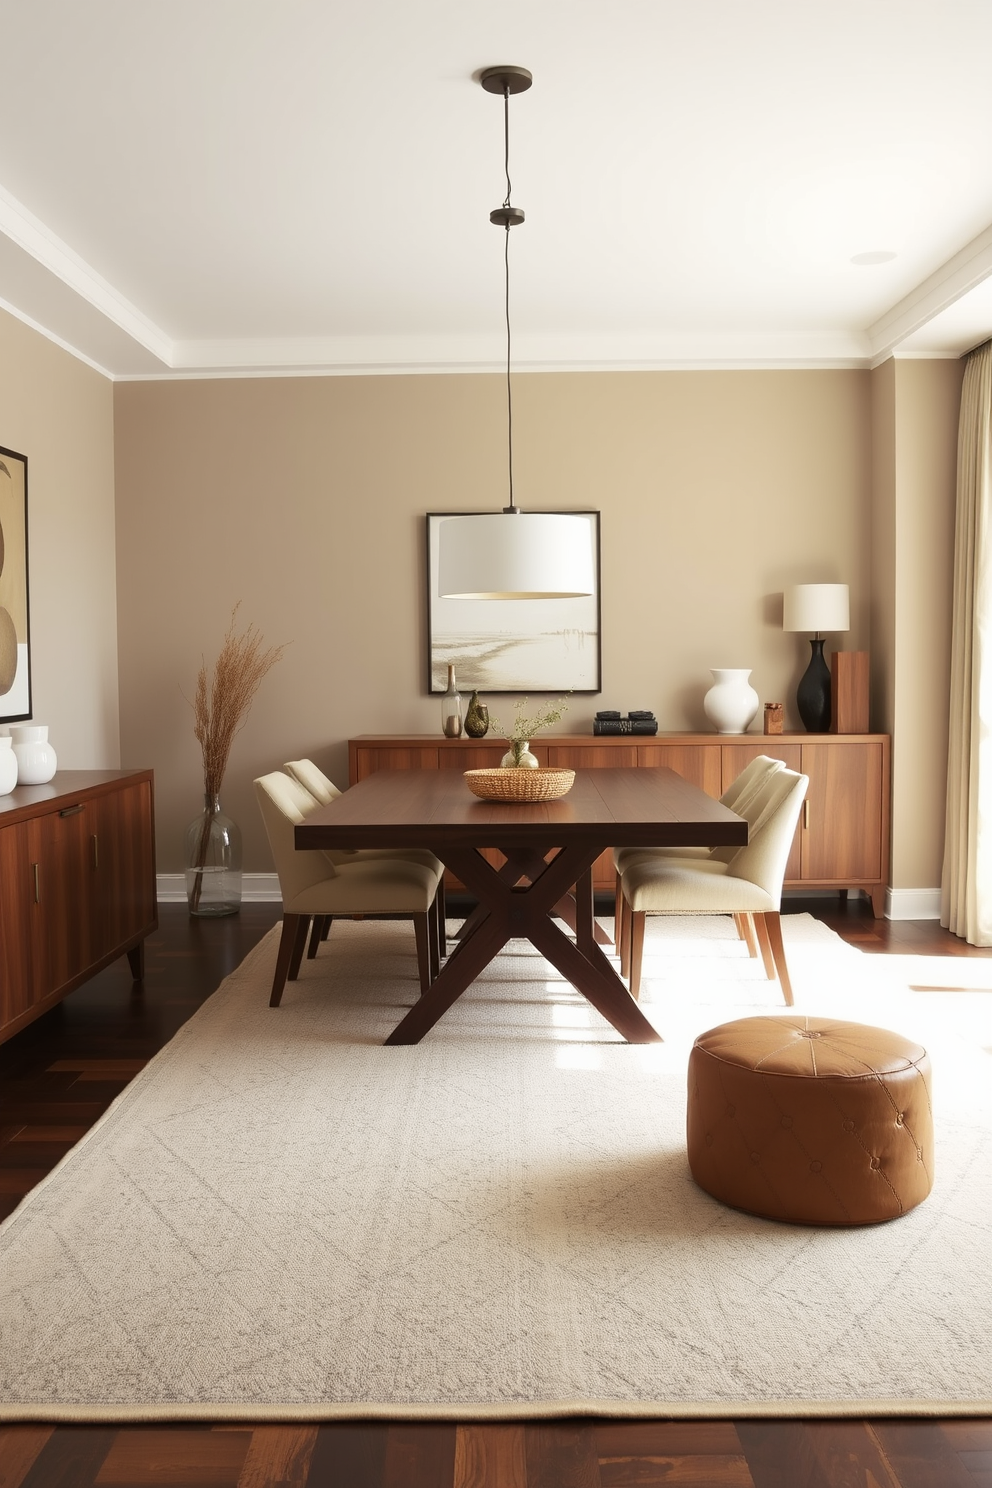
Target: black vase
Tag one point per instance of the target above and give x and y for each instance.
(813, 692)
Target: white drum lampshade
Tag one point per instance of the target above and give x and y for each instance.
(816, 609)
(515, 555)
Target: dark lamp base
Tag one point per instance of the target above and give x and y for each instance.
(813, 692)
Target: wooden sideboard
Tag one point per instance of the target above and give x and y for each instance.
(77, 885)
(842, 840)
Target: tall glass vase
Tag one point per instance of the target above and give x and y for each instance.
(451, 708)
(213, 862)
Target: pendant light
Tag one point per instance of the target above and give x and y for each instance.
(513, 554)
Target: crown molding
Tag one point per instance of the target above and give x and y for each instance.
(31, 234)
(969, 267)
(398, 356)
(55, 339)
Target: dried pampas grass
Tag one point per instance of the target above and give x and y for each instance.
(221, 704)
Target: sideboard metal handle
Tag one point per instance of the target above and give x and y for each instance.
(71, 810)
(806, 816)
(96, 851)
(37, 883)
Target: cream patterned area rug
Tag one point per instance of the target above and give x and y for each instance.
(280, 1218)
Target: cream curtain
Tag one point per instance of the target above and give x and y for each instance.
(966, 889)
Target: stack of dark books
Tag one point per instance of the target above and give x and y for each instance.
(637, 721)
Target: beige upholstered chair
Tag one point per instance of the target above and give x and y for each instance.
(750, 884)
(312, 886)
(324, 791)
(744, 795)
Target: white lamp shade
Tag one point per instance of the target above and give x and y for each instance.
(816, 608)
(515, 555)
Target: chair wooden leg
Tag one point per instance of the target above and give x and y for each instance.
(625, 919)
(433, 954)
(635, 931)
(745, 929)
(765, 946)
(299, 946)
(328, 921)
(773, 928)
(618, 917)
(290, 929)
(316, 936)
(423, 950)
(442, 938)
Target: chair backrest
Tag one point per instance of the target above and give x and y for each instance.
(321, 792)
(748, 780)
(324, 791)
(284, 804)
(763, 860)
(746, 796)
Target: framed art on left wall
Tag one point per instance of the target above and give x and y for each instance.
(15, 643)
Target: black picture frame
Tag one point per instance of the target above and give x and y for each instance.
(15, 610)
(512, 645)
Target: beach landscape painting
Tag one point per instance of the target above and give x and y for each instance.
(512, 645)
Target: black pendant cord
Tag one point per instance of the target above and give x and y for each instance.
(509, 395)
(506, 277)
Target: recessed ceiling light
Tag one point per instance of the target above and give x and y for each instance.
(880, 256)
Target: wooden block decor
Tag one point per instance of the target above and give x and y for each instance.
(849, 692)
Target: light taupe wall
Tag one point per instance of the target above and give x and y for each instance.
(59, 412)
(304, 499)
(916, 417)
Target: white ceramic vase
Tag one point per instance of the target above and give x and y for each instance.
(731, 703)
(8, 765)
(36, 761)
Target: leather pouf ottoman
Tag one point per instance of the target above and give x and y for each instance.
(810, 1120)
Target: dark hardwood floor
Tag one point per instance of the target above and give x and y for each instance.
(59, 1074)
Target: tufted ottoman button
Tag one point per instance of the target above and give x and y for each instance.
(786, 1100)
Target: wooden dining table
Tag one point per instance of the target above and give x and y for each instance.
(548, 849)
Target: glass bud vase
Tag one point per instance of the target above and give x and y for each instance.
(213, 862)
(519, 757)
(451, 708)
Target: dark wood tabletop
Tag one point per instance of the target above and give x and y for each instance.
(548, 849)
(615, 808)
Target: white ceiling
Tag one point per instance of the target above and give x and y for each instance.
(192, 186)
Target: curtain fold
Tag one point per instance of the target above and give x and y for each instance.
(966, 884)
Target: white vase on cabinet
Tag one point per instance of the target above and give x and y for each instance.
(36, 760)
(8, 765)
(731, 703)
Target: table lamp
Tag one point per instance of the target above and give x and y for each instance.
(817, 608)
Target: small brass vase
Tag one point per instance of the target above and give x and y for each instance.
(476, 718)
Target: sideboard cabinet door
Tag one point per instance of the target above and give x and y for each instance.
(16, 897)
(119, 852)
(60, 927)
(77, 885)
(841, 838)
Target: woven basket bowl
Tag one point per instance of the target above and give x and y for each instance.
(543, 784)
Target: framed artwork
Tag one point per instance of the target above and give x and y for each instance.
(512, 645)
(15, 645)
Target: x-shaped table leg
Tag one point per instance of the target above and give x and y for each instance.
(511, 911)
(569, 908)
